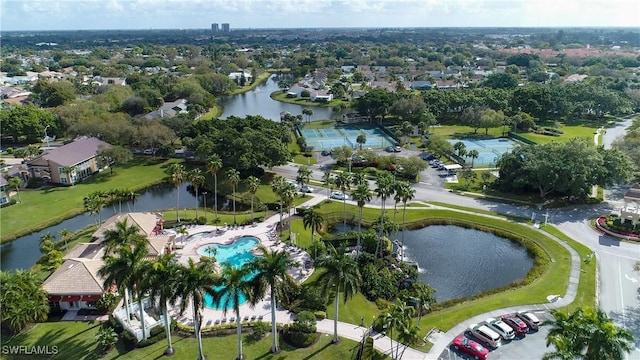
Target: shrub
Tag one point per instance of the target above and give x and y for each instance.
(107, 303)
(320, 315)
(130, 342)
(383, 304)
(106, 338)
(304, 322)
(10, 150)
(298, 339)
(260, 329)
(311, 299)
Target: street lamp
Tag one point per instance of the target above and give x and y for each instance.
(204, 196)
(46, 137)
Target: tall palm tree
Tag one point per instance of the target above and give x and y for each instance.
(177, 173)
(405, 192)
(68, 171)
(384, 182)
(304, 175)
(423, 294)
(271, 269)
(342, 181)
(214, 164)
(195, 281)
(288, 194)
(126, 269)
(313, 219)
(253, 183)
(327, 180)
(473, 154)
(361, 195)
(15, 183)
(588, 334)
(65, 235)
(161, 281)
(397, 318)
(235, 284)
(341, 273)
(234, 179)
(196, 179)
(121, 235)
(358, 178)
(277, 185)
(132, 196)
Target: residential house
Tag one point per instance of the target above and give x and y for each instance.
(99, 80)
(69, 163)
(4, 191)
(321, 96)
(447, 85)
(237, 75)
(421, 85)
(169, 109)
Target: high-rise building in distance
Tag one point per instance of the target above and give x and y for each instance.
(214, 27)
(225, 27)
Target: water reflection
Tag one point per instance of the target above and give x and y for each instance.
(460, 262)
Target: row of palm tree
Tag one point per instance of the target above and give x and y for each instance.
(128, 267)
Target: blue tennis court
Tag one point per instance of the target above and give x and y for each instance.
(489, 149)
(329, 138)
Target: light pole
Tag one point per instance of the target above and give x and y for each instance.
(46, 137)
(204, 196)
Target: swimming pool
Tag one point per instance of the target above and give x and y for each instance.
(237, 254)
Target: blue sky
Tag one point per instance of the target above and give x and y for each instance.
(173, 14)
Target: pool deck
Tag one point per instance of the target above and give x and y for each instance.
(265, 233)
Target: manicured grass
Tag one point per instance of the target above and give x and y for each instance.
(259, 80)
(319, 124)
(281, 96)
(569, 132)
(76, 340)
(454, 131)
(42, 208)
(587, 286)
(213, 113)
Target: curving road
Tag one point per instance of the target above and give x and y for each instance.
(619, 285)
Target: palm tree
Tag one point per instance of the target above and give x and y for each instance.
(253, 183)
(234, 179)
(132, 196)
(473, 154)
(195, 281)
(23, 299)
(308, 112)
(288, 194)
(341, 272)
(65, 235)
(313, 219)
(214, 164)
(177, 173)
(94, 203)
(69, 170)
(358, 178)
(404, 192)
(235, 284)
(15, 183)
(121, 235)
(161, 281)
(342, 181)
(277, 185)
(397, 318)
(361, 140)
(304, 175)
(126, 270)
(407, 129)
(327, 180)
(588, 334)
(271, 269)
(196, 179)
(361, 195)
(384, 182)
(423, 294)
(460, 148)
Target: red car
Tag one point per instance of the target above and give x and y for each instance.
(470, 347)
(516, 324)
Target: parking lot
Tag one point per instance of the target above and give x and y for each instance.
(531, 347)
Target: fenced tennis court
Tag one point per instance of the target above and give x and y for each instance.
(489, 149)
(329, 138)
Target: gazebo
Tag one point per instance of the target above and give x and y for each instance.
(631, 208)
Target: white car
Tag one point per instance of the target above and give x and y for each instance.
(483, 333)
(306, 189)
(339, 195)
(499, 326)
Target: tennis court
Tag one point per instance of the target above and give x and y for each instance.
(489, 149)
(329, 138)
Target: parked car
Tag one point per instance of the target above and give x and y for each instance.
(483, 333)
(397, 148)
(516, 324)
(532, 321)
(306, 189)
(339, 195)
(428, 157)
(470, 347)
(499, 326)
(326, 152)
(389, 149)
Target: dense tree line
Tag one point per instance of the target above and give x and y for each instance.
(569, 168)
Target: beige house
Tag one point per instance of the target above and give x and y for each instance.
(76, 283)
(68, 164)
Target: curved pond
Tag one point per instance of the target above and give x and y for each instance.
(259, 102)
(460, 262)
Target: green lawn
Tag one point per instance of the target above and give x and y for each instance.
(454, 131)
(319, 124)
(281, 96)
(569, 132)
(243, 89)
(76, 340)
(42, 208)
